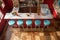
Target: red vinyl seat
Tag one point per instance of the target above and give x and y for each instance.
(8, 7)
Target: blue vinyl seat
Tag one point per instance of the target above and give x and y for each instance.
(11, 22)
(37, 22)
(59, 2)
(28, 22)
(46, 22)
(20, 22)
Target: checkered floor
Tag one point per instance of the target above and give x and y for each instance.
(16, 34)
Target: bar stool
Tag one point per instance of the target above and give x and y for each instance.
(37, 23)
(59, 3)
(11, 22)
(29, 23)
(20, 23)
(46, 23)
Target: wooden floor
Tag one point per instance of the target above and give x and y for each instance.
(17, 34)
(10, 33)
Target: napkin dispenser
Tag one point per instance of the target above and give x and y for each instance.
(44, 11)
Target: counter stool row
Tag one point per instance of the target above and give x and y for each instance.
(28, 22)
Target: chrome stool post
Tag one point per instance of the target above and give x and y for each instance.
(20, 23)
(37, 23)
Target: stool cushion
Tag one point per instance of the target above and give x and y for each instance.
(28, 22)
(37, 22)
(59, 2)
(11, 22)
(46, 22)
(19, 22)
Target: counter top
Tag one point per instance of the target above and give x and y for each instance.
(24, 16)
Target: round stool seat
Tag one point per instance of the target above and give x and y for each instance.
(46, 22)
(28, 22)
(37, 22)
(11, 22)
(59, 2)
(19, 22)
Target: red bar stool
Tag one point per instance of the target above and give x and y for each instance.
(46, 23)
(20, 23)
(29, 23)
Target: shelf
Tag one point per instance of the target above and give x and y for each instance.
(27, 10)
(28, 3)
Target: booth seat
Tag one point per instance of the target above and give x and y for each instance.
(8, 7)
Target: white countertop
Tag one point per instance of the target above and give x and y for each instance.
(24, 16)
(44, 8)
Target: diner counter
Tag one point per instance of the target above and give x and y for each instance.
(25, 16)
(44, 14)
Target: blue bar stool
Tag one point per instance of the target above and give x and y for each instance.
(29, 23)
(37, 23)
(59, 3)
(11, 22)
(20, 23)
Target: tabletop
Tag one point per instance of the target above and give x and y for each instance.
(25, 16)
